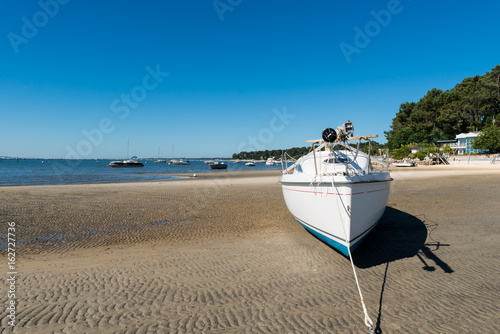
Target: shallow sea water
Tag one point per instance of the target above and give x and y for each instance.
(27, 172)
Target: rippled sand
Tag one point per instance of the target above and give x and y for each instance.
(223, 255)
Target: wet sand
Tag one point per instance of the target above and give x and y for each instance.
(221, 254)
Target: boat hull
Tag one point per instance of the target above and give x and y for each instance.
(218, 166)
(179, 162)
(404, 164)
(340, 214)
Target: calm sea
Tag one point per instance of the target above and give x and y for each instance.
(24, 172)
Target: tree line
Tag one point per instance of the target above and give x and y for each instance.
(295, 152)
(472, 105)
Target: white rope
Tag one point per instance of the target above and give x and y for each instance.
(368, 321)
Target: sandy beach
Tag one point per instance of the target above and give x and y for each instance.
(220, 253)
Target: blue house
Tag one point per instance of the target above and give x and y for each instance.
(462, 144)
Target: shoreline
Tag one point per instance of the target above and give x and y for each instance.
(175, 177)
(444, 170)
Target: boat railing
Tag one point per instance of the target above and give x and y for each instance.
(321, 144)
(370, 157)
(285, 169)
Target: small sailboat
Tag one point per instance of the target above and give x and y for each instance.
(181, 161)
(160, 159)
(334, 192)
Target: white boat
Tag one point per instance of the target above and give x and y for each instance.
(250, 164)
(180, 161)
(270, 162)
(133, 162)
(405, 164)
(334, 193)
(218, 165)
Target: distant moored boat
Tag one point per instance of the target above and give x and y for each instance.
(218, 165)
(133, 162)
(160, 159)
(180, 161)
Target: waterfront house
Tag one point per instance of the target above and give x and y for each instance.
(462, 144)
(415, 149)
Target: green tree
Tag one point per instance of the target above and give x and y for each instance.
(400, 130)
(489, 139)
(401, 152)
(472, 104)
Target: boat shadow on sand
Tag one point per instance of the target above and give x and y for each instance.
(400, 235)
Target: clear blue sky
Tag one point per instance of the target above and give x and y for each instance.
(67, 67)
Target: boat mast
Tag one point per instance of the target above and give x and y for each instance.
(128, 144)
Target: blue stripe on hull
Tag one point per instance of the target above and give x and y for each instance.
(335, 244)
